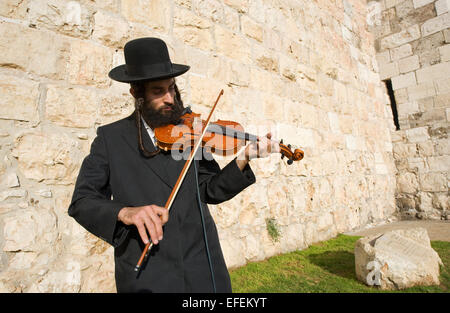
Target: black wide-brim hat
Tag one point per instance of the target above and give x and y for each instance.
(146, 59)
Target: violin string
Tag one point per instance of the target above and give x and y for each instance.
(230, 132)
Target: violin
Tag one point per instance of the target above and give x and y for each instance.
(221, 137)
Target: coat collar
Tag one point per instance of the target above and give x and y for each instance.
(163, 165)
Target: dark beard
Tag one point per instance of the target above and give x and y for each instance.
(157, 118)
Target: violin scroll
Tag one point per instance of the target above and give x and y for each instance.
(286, 151)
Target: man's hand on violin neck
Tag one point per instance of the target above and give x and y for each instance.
(148, 219)
(260, 149)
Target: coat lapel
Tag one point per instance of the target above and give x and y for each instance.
(159, 163)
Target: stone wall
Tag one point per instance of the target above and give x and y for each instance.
(413, 51)
(305, 70)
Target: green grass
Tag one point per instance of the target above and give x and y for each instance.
(324, 267)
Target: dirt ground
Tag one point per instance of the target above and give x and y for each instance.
(437, 230)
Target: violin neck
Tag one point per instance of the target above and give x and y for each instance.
(230, 132)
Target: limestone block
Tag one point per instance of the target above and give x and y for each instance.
(12, 194)
(71, 107)
(232, 45)
(227, 213)
(443, 146)
(397, 259)
(404, 9)
(389, 70)
(442, 6)
(326, 87)
(297, 50)
(100, 274)
(427, 118)
(11, 180)
(433, 72)
(340, 92)
(29, 230)
(13, 8)
(408, 108)
(233, 252)
(49, 157)
(22, 260)
(271, 108)
(310, 233)
(204, 91)
(267, 167)
(417, 134)
(425, 148)
(67, 280)
(108, 5)
(278, 203)
(407, 182)
(401, 96)
(256, 10)
(12, 89)
(45, 55)
(401, 52)
(446, 35)
(408, 64)
(265, 59)
(442, 100)
(403, 150)
(293, 237)
(251, 29)
(334, 122)
(114, 106)
(110, 30)
(193, 30)
(383, 57)
(435, 24)
(421, 91)
(240, 5)
(291, 133)
(252, 247)
(439, 163)
(155, 13)
(239, 74)
(407, 35)
(355, 143)
(433, 182)
(67, 17)
(420, 3)
(441, 201)
(444, 51)
(89, 63)
(425, 104)
(231, 19)
(212, 10)
(403, 81)
(184, 3)
(442, 87)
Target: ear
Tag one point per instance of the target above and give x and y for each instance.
(133, 92)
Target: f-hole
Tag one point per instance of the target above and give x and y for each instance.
(390, 91)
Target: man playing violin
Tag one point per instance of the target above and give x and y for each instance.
(125, 180)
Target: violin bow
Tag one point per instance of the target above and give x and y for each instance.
(180, 179)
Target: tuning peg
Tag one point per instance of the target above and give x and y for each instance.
(289, 162)
(289, 146)
(282, 156)
(281, 141)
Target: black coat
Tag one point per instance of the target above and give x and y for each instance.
(115, 175)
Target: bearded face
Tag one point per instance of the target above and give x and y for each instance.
(161, 116)
(162, 103)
